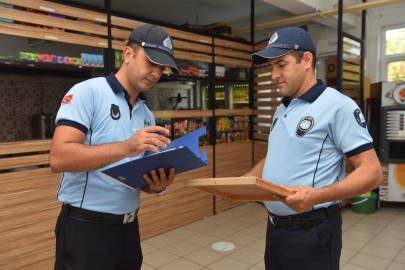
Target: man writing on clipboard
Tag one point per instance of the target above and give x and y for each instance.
(313, 131)
(101, 123)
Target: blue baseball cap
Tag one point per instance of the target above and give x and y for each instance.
(284, 41)
(156, 43)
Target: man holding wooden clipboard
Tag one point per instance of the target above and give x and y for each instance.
(313, 131)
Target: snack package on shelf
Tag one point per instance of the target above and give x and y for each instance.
(75, 61)
(194, 71)
(61, 59)
(45, 58)
(100, 60)
(95, 60)
(6, 6)
(29, 56)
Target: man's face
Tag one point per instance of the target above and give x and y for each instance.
(288, 74)
(142, 73)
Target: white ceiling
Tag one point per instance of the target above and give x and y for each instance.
(235, 12)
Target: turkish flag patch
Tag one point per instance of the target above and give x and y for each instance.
(67, 99)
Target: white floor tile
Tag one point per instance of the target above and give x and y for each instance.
(349, 266)
(181, 264)
(400, 257)
(147, 267)
(251, 219)
(259, 245)
(396, 225)
(255, 231)
(181, 233)
(236, 225)
(360, 226)
(231, 214)
(146, 249)
(341, 264)
(215, 220)
(380, 251)
(159, 258)
(358, 235)
(388, 242)
(161, 241)
(241, 238)
(393, 233)
(199, 226)
(181, 248)
(369, 261)
(219, 232)
(399, 218)
(375, 221)
(261, 265)
(229, 263)
(204, 257)
(201, 240)
(347, 254)
(248, 255)
(353, 244)
(396, 266)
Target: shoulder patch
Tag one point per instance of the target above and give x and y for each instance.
(67, 99)
(358, 115)
(304, 126)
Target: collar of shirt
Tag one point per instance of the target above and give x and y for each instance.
(311, 95)
(117, 88)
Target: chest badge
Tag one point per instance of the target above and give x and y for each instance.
(146, 123)
(304, 126)
(115, 112)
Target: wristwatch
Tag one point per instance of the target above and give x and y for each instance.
(159, 193)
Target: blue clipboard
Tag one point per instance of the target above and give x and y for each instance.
(181, 154)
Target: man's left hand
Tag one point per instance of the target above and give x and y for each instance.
(161, 181)
(303, 199)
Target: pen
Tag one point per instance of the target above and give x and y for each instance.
(160, 133)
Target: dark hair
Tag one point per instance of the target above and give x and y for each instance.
(134, 46)
(298, 56)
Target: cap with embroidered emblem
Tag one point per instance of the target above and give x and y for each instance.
(284, 41)
(156, 43)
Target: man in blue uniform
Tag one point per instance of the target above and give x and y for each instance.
(104, 122)
(313, 131)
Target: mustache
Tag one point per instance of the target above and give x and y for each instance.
(153, 79)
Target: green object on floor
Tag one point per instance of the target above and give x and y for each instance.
(364, 204)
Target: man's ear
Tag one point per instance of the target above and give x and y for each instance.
(128, 53)
(307, 59)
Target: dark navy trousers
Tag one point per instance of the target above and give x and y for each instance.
(83, 245)
(313, 248)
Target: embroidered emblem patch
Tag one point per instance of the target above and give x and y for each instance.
(358, 115)
(67, 99)
(305, 125)
(273, 38)
(168, 43)
(274, 123)
(146, 123)
(115, 112)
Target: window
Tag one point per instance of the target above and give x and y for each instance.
(393, 57)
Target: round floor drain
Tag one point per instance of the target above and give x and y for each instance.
(223, 246)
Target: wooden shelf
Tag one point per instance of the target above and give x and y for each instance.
(182, 114)
(46, 34)
(226, 112)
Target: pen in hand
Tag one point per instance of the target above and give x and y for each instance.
(160, 133)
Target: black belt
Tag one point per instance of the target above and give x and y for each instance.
(97, 217)
(307, 219)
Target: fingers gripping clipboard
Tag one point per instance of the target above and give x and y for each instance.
(240, 188)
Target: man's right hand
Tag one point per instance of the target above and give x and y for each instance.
(146, 139)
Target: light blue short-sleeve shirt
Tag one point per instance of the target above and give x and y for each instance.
(100, 108)
(309, 140)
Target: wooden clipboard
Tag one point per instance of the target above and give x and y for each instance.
(240, 188)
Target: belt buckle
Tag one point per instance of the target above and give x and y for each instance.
(271, 220)
(129, 217)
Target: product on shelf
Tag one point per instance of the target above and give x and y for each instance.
(6, 6)
(194, 71)
(95, 60)
(100, 60)
(75, 61)
(61, 59)
(45, 58)
(85, 59)
(29, 56)
(118, 59)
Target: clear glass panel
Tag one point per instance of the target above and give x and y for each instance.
(396, 71)
(394, 41)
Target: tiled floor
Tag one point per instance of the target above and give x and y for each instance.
(374, 241)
